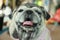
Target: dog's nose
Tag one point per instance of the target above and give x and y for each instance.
(29, 12)
(28, 16)
(28, 19)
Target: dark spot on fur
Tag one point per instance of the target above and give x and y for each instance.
(15, 34)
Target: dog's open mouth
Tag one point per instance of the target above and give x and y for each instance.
(28, 29)
(28, 23)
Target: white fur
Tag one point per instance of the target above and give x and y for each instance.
(44, 33)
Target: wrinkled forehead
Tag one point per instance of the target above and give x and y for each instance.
(24, 8)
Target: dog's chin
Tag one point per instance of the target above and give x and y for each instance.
(27, 31)
(27, 26)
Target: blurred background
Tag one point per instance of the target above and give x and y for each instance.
(51, 6)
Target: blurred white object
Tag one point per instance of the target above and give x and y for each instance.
(6, 19)
(7, 11)
(55, 2)
(46, 4)
(1, 13)
(6, 2)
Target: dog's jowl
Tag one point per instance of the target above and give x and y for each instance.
(28, 24)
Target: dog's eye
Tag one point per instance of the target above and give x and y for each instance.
(37, 11)
(20, 10)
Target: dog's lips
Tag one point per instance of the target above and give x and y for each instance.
(27, 23)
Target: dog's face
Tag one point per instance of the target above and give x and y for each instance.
(28, 20)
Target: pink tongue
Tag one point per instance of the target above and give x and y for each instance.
(27, 23)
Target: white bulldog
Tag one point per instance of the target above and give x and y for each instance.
(28, 23)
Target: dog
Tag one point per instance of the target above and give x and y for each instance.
(28, 23)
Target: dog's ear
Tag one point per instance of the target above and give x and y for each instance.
(45, 13)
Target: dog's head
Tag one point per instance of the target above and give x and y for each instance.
(29, 20)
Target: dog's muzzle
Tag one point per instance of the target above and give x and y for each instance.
(28, 18)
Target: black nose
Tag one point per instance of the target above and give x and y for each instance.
(28, 19)
(29, 12)
(28, 15)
